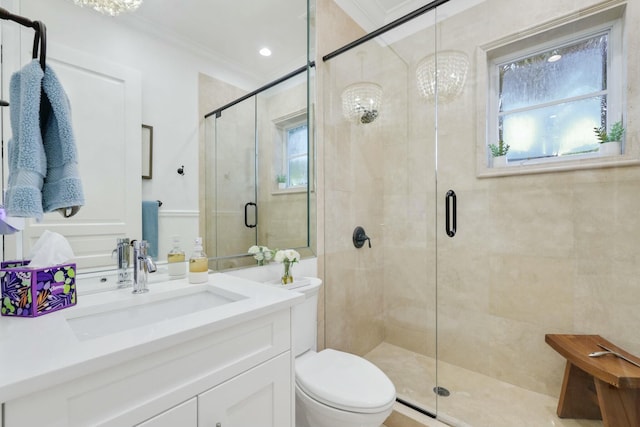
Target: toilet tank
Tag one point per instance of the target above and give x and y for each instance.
(304, 318)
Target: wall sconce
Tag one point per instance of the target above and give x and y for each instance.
(444, 73)
(361, 102)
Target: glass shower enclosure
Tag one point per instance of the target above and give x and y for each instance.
(462, 140)
(252, 145)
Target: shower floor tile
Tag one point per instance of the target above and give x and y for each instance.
(476, 400)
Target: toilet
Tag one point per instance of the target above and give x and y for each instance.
(333, 388)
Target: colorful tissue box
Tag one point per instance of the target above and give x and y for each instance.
(32, 292)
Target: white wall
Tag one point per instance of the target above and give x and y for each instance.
(169, 95)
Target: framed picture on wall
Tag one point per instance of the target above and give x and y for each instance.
(147, 151)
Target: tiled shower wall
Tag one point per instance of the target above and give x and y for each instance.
(539, 253)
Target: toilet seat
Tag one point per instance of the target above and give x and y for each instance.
(344, 381)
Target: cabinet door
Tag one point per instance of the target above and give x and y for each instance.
(260, 397)
(183, 415)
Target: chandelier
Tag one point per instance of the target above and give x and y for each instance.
(111, 7)
(361, 102)
(443, 73)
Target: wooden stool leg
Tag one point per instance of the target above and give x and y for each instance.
(620, 407)
(578, 395)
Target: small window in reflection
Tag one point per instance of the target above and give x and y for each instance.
(291, 151)
(297, 159)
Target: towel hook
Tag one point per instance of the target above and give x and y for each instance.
(181, 170)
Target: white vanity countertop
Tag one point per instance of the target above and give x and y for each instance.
(36, 353)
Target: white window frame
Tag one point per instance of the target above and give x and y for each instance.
(283, 125)
(544, 38)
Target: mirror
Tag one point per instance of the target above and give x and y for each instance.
(259, 173)
(158, 62)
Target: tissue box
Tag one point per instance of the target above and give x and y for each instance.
(32, 292)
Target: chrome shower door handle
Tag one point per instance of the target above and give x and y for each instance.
(451, 213)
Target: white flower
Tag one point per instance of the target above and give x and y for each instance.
(287, 255)
(261, 253)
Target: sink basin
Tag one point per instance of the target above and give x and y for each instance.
(118, 319)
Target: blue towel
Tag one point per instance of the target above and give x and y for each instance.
(43, 174)
(27, 162)
(150, 226)
(62, 188)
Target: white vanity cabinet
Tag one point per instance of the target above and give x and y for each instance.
(238, 376)
(258, 397)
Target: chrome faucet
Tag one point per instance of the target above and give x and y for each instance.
(142, 266)
(123, 254)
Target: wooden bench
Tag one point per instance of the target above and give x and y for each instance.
(605, 387)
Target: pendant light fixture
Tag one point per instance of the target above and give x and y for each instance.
(110, 7)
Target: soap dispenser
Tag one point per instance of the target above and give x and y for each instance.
(198, 264)
(176, 260)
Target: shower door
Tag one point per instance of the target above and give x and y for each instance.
(546, 243)
(233, 215)
(379, 173)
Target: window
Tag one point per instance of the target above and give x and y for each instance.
(291, 149)
(546, 97)
(296, 156)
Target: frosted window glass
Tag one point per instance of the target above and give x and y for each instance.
(297, 160)
(556, 130)
(297, 141)
(579, 70)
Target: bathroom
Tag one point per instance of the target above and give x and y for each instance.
(536, 252)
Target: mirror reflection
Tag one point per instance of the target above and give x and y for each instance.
(164, 66)
(258, 155)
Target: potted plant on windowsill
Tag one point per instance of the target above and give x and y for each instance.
(499, 154)
(282, 181)
(609, 142)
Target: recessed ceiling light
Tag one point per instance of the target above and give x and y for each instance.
(555, 57)
(265, 51)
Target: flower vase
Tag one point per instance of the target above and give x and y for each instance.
(287, 278)
(611, 148)
(499, 162)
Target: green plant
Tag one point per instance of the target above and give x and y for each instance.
(501, 149)
(281, 179)
(615, 133)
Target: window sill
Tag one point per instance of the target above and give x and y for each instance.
(294, 190)
(529, 167)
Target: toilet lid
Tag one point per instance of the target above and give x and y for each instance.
(345, 381)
